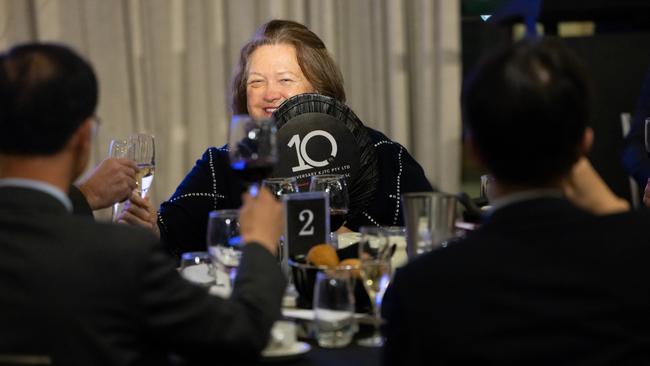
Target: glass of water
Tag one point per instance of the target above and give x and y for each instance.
(334, 308)
(197, 267)
(224, 243)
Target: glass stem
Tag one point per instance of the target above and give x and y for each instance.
(377, 310)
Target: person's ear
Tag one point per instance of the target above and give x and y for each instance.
(80, 146)
(587, 141)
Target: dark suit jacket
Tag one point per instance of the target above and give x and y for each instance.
(87, 293)
(541, 283)
(80, 205)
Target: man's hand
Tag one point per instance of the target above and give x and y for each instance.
(261, 220)
(139, 211)
(110, 182)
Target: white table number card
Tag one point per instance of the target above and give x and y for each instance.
(307, 222)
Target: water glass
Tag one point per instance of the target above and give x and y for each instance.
(197, 267)
(224, 243)
(430, 218)
(334, 308)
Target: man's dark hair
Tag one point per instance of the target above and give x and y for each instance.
(46, 92)
(526, 108)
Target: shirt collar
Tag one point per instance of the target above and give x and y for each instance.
(39, 186)
(512, 198)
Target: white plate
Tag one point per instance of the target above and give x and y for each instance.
(294, 351)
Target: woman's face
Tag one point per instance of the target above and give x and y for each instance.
(273, 77)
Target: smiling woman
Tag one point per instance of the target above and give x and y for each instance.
(283, 59)
(273, 77)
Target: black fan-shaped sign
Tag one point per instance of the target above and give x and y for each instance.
(320, 135)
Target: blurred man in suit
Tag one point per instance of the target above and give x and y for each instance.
(76, 292)
(542, 282)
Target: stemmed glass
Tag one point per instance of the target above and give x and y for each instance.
(252, 145)
(118, 148)
(142, 150)
(375, 254)
(336, 186)
(280, 186)
(224, 242)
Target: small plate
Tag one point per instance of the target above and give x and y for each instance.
(282, 354)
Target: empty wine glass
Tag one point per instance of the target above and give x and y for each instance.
(335, 185)
(224, 244)
(118, 148)
(142, 151)
(280, 186)
(375, 252)
(252, 147)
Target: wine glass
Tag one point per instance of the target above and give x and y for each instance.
(197, 267)
(375, 253)
(142, 150)
(334, 308)
(118, 148)
(280, 186)
(252, 145)
(224, 244)
(336, 186)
